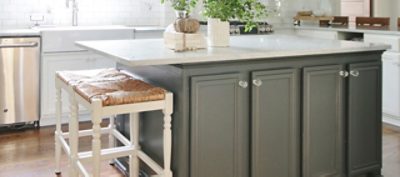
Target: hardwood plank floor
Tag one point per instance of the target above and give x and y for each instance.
(391, 153)
(30, 153)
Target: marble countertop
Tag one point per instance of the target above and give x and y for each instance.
(36, 31)
(153, 51)
(19, 33)
(81, 28)
(149, 28)
(351, 29)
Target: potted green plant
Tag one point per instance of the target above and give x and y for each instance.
(219, 12)
(182, 5)
(184, 23)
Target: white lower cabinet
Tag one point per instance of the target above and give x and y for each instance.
(52, 62)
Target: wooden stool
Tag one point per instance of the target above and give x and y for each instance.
(109, 92)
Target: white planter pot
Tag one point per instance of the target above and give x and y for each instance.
(218, 33)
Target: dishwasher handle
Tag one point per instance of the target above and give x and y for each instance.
(20, 45)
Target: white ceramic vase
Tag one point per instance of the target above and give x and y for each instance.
(218, 33)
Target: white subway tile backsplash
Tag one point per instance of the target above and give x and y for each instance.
(16, 13)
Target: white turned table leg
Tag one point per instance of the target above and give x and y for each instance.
(134, 122)
(74, 137)
(96, 142)
(167, 135)
(111, 139)
(58, 131)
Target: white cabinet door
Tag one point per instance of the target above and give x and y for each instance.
(64, 61)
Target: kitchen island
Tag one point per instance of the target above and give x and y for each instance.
(267, 106)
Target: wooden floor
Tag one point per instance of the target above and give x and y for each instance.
(391, 153)
(30, 153)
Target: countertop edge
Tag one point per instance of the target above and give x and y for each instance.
(226, 58)
(382, 32)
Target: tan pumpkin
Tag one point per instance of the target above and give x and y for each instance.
(187, 25)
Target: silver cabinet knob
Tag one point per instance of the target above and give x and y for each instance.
(243, 84)
(355, 73)
(344, 74)
(257, 82)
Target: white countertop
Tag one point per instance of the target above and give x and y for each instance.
(153, 51)
(19, 33)
(350, 29)
(81, 28)
(36, 31)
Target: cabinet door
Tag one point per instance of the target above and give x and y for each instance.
(275, 124)
(365, 118)
(97, 61)
(323, 121)
(58, 62)
(218, 126)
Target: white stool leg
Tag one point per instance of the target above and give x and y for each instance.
(73, 137)
(167, 135)
(134, 120)
(111, 139)
(96, 142)
(58, 131)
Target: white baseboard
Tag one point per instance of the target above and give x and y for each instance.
(392, 121)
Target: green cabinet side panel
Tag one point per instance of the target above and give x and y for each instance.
(216, 110)
(323, 121)
(364, 120)
(276, 124)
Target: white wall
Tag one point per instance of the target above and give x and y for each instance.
(388, 8)
(16, 13)
(291, 7)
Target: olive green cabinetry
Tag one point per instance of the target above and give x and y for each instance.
(275, 118)
(323, 118)
(364, 119)
(311, 116)
(218, 126)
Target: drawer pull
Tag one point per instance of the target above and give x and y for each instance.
(344, 74)
(243, 84)
(355, 73)
(257, 82)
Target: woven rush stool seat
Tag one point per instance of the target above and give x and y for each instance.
(97, 75)
(111, 86)
(106, 93)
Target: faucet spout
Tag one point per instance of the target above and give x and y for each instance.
(75, 10)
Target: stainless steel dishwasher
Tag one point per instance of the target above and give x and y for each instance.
(19, 80)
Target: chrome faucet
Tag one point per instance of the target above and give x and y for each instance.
(74, 11)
